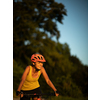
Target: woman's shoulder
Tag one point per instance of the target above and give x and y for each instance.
(27, 68)
(26, 72)
(42, 69)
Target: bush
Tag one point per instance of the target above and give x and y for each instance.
(17, 73)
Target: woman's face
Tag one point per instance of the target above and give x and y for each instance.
(38, 65)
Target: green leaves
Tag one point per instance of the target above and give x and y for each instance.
(17, 73)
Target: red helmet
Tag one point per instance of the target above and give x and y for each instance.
(37, 57)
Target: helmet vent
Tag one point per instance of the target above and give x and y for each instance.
(41, 58)
(35, 57)
(38, 57)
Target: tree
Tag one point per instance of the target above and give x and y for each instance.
(80, 75)
(32, 21)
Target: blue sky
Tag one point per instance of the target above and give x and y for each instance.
(74, 30)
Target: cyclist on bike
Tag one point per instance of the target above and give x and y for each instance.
(29, 82)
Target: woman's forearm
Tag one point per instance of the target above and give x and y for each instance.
(51, 85)
(20, 85)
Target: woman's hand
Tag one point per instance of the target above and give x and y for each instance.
(56, 93)
(19, 94)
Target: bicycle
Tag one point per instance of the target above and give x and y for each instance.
(37, 96)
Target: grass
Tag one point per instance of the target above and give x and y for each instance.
(66, 98)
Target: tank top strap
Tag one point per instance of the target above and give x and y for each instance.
(30, 71)
(30, 67)
(39, 73)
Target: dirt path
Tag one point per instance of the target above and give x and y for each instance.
(16, 98)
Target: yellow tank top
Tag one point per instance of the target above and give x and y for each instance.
(31, 83)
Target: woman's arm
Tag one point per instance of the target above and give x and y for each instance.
(23, 77)
(48, 81)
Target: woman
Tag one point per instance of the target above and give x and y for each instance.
(29, 82)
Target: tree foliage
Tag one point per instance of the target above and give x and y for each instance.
(34, 25)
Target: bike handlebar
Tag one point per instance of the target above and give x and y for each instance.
(36, 95)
